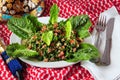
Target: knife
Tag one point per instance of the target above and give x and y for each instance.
(105, 59)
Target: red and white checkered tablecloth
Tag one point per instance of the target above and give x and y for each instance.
(67, 8)
(5, 73)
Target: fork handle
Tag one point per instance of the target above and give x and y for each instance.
(105, 60)
(97, 40)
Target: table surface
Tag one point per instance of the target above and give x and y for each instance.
(67, 8)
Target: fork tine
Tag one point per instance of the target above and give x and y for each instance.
(105, 22)
(98, 22)
(102, 22)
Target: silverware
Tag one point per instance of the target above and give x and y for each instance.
(100, 27)
(105, 59)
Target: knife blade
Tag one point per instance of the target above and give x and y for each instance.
(105, 60)
(110, 27)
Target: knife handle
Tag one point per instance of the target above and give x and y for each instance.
(105, 59)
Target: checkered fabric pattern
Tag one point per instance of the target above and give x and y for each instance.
(75, 72)
(116, 3)
(5, 34)
(67, 8)
(76, 7)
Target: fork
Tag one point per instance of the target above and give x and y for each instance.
(100, 27)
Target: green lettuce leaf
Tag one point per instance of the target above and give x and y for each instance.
(18, 50)
(35, 22)
(84, 31)
(24, 26)
(68, 29)
(86, 52)
(54, 11)
(47, 37)
(81, 25)
(24, 52)
(12, 47)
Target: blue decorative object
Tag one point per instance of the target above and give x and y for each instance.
(12, 63)
(39, 9)
(6, 17)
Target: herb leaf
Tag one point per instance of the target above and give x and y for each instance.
(25, 53)
(84, 31)
(68, 29)
(18, 50)
(35, 22)
(54, 11)
(47, 37)
(81, 25)
(86, 52)
(24, 26)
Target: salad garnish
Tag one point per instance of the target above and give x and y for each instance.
(54, 41)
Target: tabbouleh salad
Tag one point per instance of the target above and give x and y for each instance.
(54, 41)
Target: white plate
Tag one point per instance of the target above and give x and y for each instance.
(56, 64)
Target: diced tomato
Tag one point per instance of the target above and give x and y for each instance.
(43, 46)
(61, 54)
(63, 47)
(63, 57)
(49, 50)
(44, 28)
(45, 60)
(34, 37)
(72, 41)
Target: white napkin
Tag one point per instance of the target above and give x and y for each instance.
(113, 70)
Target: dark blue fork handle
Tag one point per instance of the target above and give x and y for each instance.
(105, 59)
